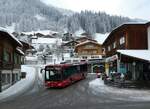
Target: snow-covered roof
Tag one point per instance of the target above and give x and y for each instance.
(11, 35)
(140, 54)
(130, 23)
(20, 51)
(44, 32)
(33, 58)
(85, 42)
(46, 40)
(100, 38)
(79, 32)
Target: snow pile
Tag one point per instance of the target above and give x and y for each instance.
(21, 86)
(97, 82)
(98, 87)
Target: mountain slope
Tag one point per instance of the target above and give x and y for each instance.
(31, 15)
(23, 12)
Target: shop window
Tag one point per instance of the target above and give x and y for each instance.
(84, 57)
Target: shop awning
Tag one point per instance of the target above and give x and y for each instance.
(139, 54)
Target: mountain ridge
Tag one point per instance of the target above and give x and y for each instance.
(32, 15)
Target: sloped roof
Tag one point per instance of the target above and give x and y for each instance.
(100, 38)
(70, 42)
(85, 42)
(123, 25)
(140, 54)
(46, 40)
(11, 36)
(20, 51)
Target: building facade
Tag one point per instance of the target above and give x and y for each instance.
(126, 37)
(10, 59)
(89, 50)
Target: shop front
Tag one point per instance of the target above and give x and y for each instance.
(111, 65)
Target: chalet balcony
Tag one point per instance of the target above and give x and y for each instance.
(18, 66)
(5, 65)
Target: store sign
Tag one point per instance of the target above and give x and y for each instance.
(112, 58)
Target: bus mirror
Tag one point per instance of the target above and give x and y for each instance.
(42, 71)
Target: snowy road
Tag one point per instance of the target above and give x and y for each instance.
(81, 95)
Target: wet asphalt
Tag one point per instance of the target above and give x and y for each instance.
(76, 96)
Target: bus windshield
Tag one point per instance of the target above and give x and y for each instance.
(53, 74)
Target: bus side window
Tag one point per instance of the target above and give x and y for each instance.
(52, 73)
(47, 75)
(78, 69)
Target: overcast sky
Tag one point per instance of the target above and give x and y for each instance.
(129, 8)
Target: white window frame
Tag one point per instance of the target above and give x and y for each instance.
(109, 48)
(122, 40)
(114, 44)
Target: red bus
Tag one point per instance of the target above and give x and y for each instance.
(62, 75)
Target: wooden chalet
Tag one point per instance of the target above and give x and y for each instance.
(126, 36)
(130, 38)
(10, 59)
(90, 51)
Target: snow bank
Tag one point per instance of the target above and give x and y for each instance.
(21, 86)
(97, 82)
(98, 87)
